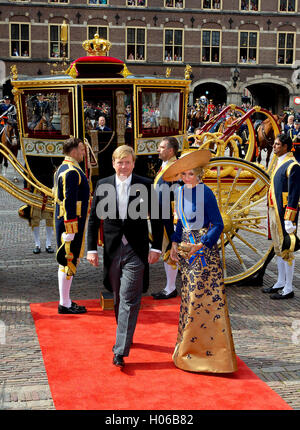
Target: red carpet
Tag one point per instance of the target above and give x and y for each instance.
(78, 360)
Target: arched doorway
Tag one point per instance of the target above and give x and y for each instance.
(211, 90)
(273, 97)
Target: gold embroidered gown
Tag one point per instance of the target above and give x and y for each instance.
(204, 340)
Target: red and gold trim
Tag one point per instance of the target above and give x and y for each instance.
(290, 214)
(71, 226)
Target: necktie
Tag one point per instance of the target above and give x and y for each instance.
(123, 200)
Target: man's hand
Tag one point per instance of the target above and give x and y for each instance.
(153, 257)
(289, 226)
(93, 258)
(68, 237)
(173, 252)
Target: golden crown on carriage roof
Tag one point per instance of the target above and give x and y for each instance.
(96, 46)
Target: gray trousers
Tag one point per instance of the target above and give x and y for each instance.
(126, 278)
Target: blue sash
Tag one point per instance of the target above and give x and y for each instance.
(181, 214)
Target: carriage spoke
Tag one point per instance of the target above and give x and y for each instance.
(236, 252)
(241, 227)
(254, 218)
(247, 243)
(232, 187)
(243, 196)
(250, 205)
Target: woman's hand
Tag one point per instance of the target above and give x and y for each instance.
(173, 252)
(195, 248)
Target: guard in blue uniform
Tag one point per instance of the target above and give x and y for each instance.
(71, 192)
(283, 201)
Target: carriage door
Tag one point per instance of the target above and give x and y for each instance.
(107, 123)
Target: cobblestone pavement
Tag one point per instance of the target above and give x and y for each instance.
(266, 332)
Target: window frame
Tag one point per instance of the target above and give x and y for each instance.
(59, 2)
(211, 8)
(98, 26)
(285, 49)
(248, 47)
(287, 3)
(20, 40)
(59, 41)
(174, 7)
(97, 3)
(135, 44)
(249, 10)
(173, 46)
(211, 46)
(137, 5)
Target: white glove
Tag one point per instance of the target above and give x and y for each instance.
(68, 237)
(289, 226)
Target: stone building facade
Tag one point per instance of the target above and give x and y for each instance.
(236, 47)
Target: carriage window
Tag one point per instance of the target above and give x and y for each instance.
(159, 113)
(48, 113)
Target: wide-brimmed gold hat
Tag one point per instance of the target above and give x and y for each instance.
(189, 160)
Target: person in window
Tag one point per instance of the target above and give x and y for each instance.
(102, 124)
(15, 52)
(131, 56)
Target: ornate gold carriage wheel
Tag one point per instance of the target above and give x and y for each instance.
(240, 188)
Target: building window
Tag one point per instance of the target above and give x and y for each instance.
(104, 2)
(179, 4)
(287, 5)
(248, 51)
(210, 42)
(58, 1)
(139, 3)
(56, 47)
(211, 4)
(285, 48)
(173, 46)
(19, 40)
(136, 44)
(252, 5)
(101, 30)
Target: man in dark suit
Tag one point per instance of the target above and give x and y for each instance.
(102, 124)
(123, 202)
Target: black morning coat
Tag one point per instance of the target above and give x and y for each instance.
(135, 230)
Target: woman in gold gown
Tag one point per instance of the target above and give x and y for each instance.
(204, 340)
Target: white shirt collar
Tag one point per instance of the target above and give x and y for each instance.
(127, 181)
(281, 158)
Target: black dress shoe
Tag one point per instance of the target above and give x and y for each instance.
(280, 296)
(162, 295)
(270, 289)
(118, 360)
(74, 309)
(49, 249)
(37, 250)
